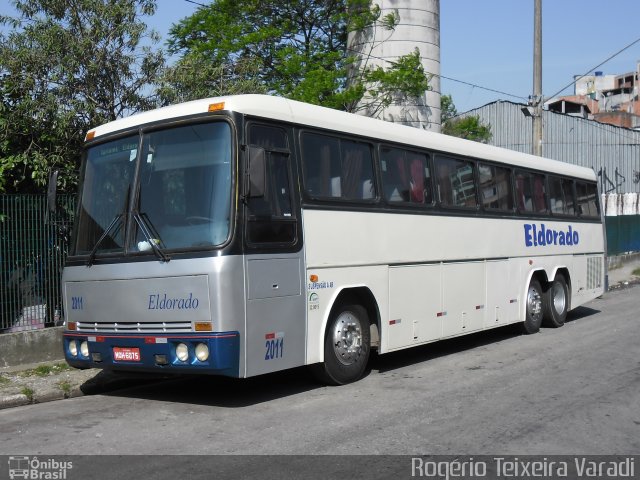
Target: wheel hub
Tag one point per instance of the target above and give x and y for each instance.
(559, 298)
(347, 338)
(534, 303)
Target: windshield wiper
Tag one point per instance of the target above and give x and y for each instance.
(115, 222)
(150, 234)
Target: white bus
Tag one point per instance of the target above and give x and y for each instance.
(250, 234)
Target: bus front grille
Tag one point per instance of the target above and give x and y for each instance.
(134, 327)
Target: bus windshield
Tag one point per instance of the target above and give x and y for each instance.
(177, 188)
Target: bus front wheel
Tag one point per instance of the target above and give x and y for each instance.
(533, 314)
(556, 302)
(347, 345)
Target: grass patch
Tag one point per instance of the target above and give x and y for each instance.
(28, 392)
(636, 272)
(4, 380)
(45, 370)
(65, 386)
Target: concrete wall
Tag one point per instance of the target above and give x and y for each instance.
(32, 346)
(418, 27)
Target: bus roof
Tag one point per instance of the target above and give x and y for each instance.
(285, 110)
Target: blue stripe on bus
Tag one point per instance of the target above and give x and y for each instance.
(224, 352)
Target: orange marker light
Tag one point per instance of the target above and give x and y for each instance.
(313, 278)
(203, 327)
(72, 326)
(214, 107)
(90, 135)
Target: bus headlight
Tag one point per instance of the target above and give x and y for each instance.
(84, 349)
(73, 348)
(202, 352)
(182, 352)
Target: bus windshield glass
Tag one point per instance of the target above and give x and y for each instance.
(180, 198)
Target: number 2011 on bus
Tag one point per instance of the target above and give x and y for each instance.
(275, 348)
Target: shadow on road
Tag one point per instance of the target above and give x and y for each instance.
(237, 393)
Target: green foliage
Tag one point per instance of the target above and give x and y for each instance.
(65, 386)
(66, 66)
(470, 128)
(194, 76)
(448, 109)
(296, 49)
(45, 370)
(404, 79)
(28, 392)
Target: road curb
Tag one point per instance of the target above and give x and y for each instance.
(17, 400)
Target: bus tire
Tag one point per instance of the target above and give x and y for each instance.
(555, 302)
(534, 305)
(347, 344)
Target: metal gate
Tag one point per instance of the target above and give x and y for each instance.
(33, 247)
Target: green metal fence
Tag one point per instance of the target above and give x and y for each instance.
(623, 234)
(33, 246)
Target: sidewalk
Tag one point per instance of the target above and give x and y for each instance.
(45, 382)
(55, 380)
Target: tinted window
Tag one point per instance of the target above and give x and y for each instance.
(495, 187)
(337, 168)
(406, 176)
(271, 217)
(106, 191)
(455, 182)
(561, 196)
(587, 195)
(530, 193)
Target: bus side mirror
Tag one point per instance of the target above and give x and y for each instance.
(257, 167)
(52, 191)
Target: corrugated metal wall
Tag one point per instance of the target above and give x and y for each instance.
(612, 152)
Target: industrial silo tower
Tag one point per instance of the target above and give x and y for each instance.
(418, 27)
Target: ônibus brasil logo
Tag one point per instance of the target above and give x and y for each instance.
(37, 469)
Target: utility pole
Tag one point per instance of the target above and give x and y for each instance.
(536, 138)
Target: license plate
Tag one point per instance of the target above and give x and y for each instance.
(124, 354)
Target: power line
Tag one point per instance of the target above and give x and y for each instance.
(445, 77)
(481, 87)
(597, 66)
(195, 3)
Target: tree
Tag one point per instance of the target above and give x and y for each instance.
(468, 127)
(299, 48)
(194, 76)
(448, 109)
(67, 66)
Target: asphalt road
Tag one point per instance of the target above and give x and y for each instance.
(571, 391)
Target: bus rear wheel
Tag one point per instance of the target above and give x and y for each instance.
(556, 302)
(347, 345)
(533, 314)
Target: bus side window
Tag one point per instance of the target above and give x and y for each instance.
(406, 176)
(561, 196)
(271, 217)
(587, 199)
(455, 182)
(495, 187)
(530, 193)
(337, 168)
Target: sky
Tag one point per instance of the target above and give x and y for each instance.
(489, 43)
